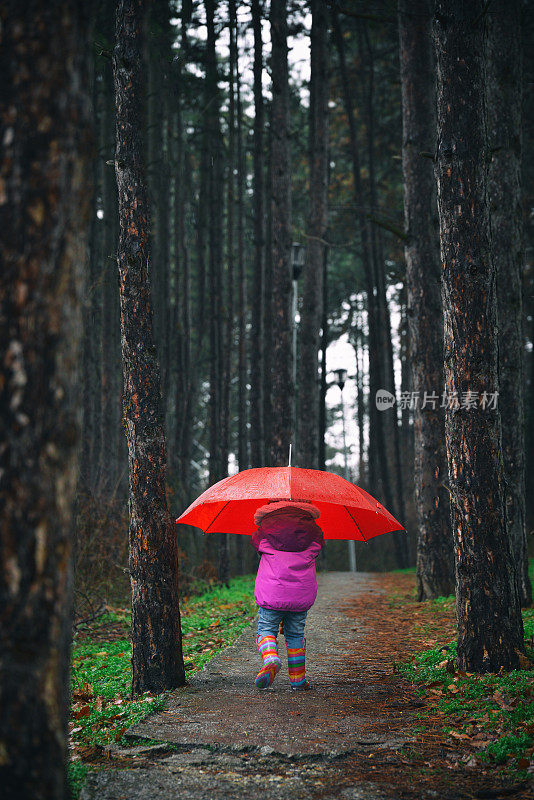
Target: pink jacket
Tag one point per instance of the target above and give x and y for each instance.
(289, 543)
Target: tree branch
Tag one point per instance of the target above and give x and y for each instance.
(388, 226)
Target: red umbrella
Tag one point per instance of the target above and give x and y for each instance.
(347, 512)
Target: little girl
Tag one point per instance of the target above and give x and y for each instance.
(289, 541)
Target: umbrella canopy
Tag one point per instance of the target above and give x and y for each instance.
(347, 512)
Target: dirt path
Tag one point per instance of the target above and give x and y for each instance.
(352, 738)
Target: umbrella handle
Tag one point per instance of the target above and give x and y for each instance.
(289, 455)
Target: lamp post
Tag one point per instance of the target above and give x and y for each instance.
(298, 254)
(340, 378)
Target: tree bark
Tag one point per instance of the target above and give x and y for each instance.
(159, 56)
(490, 630)
(283, 390)
(110, 341)
(435, 557)
(215, 197)
(387, 419)
(157, 662)
(321, 444)
(257, 338)
(377, 447)
(45, 204)
(359, 344)
(179, 424)
(312, 295)
(90, 432)
(267, 313)
(407, 432)
(224, 556)
(243, 435)
(505, 125)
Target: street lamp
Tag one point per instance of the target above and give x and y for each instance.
(340, 379)
(298, 254)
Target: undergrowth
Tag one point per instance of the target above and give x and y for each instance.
(102, 710)
(493, 713)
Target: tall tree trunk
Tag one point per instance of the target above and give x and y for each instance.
(321, 444)
(267, 313)
(224, 558)
(90, 432)
(312, 296)
(185, 383)
(45, 205)
(359, 344)
(179, 424)
(407, 431)
(157, 662)
(435, 558)
(377, 446)
(257, 333)
(110, 343)
(230, 247)
(490, 630)
(505, 123)
(283, 390)
(242, 435)
(216, 468)
(159, 55)
(389, 417)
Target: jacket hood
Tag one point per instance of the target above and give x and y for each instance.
(291, 530)
(286, 506)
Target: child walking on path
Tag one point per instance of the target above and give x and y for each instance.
(288, 540)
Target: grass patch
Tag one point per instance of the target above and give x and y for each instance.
(493, 713)
(101, 709)
(77, 773)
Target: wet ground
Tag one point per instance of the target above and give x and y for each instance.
(352, 737)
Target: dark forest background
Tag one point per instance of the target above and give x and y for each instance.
(206, 153)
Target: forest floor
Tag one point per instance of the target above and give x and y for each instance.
(388, 717)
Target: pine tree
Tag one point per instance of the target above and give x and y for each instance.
(45, 201)
(490, 631)
(435, 558)
(157, 662)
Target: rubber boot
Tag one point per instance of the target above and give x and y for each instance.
(296, 663)
(268, 650)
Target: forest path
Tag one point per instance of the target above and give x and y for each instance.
(344, 740)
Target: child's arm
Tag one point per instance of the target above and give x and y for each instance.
(256, 537)
(318, 541)
(318, 535)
